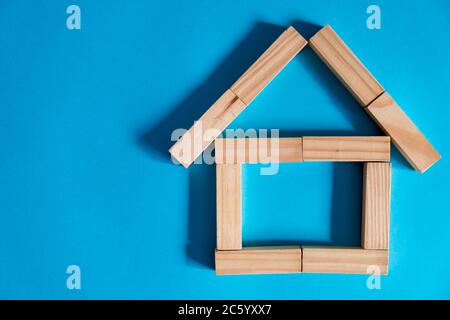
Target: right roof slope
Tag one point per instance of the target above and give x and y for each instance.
(374, 99)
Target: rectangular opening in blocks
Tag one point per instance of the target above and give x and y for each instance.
(317, 203)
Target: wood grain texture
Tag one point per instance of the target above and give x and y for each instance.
(346, 149)
(376, 205)
(405, 135)
(343, 260)
(345, 65)
(229, 207)
(207, 128)
(268, 65)
(258, 150)
(259, 260)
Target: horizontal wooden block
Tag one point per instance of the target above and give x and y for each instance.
(406, 137)
(268, 65)
(346, 149)
(344, 260)
(345, 65)
(229, 207)
(376, 205)
(259, 260)
(258, 150)
(207, 128)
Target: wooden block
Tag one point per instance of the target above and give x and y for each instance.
(207, 128)
(345, 65)
(406, 137)
(268, 65)
(346, 148)
(376, 205)
(229, 206)
(343, 260)
(258, 150)
(259, 260)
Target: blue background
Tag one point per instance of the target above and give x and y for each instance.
(85, 124)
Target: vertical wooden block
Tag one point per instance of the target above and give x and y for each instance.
(258, 150)
(263, 260)
(346, 148)
(406, 137)
(345, 65)
(376, 205)
(271, 62)
(207, 128)
(229, 206)
(344, 260)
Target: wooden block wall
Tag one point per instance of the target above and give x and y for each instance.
(376, 205)
(343, 260)
(258, 150)
(346, 149)
(262, 260)
(229, 206)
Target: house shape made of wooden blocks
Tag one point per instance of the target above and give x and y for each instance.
(374, 152)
